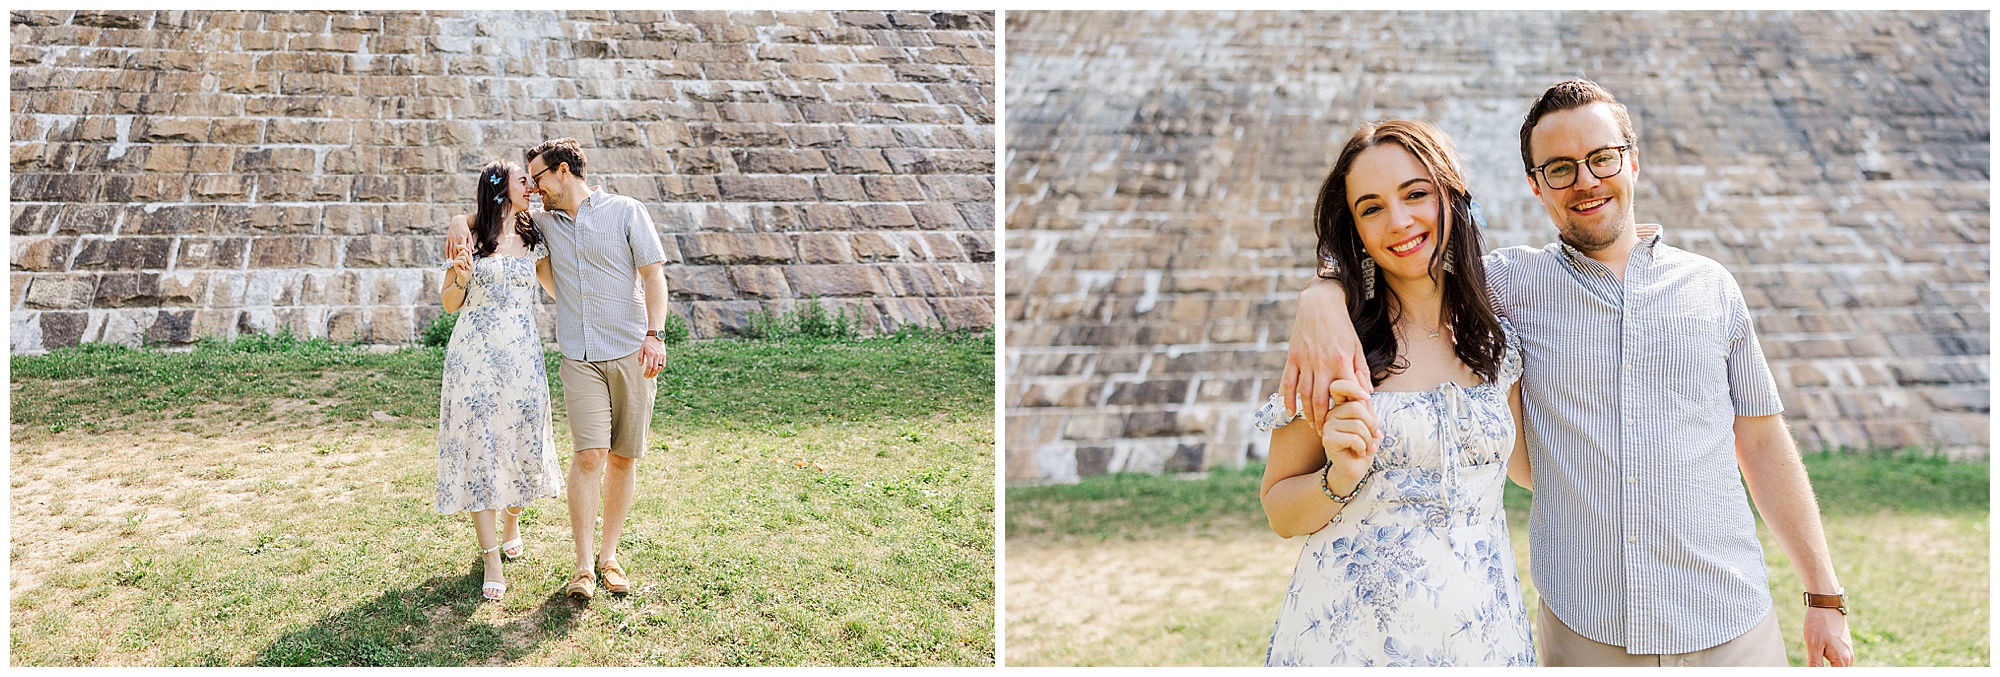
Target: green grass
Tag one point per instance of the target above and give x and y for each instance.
(239, 505)
(292, 382)
(1133, 505)
(1908, 534)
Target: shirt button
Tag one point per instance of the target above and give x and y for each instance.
(1632, 480)
(1628, 366)
(1631, 539)
(1629, 422)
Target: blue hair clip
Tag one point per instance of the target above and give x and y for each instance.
(1478, 215)
(498, 198)
(494, 179)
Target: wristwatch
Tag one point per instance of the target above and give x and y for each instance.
(655, 333)
(1837, 600)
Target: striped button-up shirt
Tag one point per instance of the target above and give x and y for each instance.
(595, 258)
(1641, 535)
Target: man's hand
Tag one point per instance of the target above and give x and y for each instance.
(1323, 349)
(653, 355)
(1827, 641)
(459, 234)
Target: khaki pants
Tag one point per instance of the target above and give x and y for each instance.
(1558, 646)
(610, 404)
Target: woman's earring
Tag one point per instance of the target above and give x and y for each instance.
(1448, 266)
(1367, 277)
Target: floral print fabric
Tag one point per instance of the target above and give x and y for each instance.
(1419, 569)
(496, 447)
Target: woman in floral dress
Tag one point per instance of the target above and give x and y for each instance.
(1408, 559)
(496, 449)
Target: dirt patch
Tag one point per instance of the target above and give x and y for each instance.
(76, 495)
(1083, 593)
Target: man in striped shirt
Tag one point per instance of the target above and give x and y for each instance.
(1645, 393)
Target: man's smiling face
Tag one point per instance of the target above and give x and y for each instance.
(1592, 213)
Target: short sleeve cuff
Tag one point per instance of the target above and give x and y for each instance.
(1763, 408)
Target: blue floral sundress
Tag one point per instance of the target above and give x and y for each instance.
(1419, 569)
(496, 445)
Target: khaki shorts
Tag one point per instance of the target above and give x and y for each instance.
(610, 404)
(1558, 646)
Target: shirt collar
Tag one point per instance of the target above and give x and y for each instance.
(1649, 234)
(587, 201)
(1649, 238)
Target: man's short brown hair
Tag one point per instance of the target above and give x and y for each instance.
(558, 152)
(1568, 94)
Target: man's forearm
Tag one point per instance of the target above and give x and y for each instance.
(656, 299)
(1783, 494)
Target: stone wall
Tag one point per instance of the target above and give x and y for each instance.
(185, 174)
(1162, 167)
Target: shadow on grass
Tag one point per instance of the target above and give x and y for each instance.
(428, 624)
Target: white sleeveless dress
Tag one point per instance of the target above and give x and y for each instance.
(1419, 569)
(496, 445)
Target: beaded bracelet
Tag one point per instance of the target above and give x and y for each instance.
(1337, 498)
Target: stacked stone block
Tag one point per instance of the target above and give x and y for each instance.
(186, 174)
(1162, 169)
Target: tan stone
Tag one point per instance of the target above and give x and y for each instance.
(732, 248)
(824, 248)
(42, 253)
(63, 292)
(836, 280)
(760, 282)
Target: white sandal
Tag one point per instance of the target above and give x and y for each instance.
(514, 549)
(492, 590)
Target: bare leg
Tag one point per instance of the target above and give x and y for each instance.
(620, 482)
(482, 525)
(586, 470)
(510, 527)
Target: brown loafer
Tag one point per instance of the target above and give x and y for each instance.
(582, 586)
(614, 578)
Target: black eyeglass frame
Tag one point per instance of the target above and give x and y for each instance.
(1615, 168)
(537, 178)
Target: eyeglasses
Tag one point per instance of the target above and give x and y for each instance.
(1604, 163)
(537, 178)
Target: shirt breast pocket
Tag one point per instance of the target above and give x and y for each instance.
(1693, 356)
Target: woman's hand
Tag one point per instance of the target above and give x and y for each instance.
(461, 262)
(1348, 438)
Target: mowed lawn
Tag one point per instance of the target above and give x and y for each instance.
(1140, 570)
(271, 502)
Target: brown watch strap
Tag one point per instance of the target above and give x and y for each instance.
(1834, 601)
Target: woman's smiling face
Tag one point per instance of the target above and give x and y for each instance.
(1395, 201)
(518, 189)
